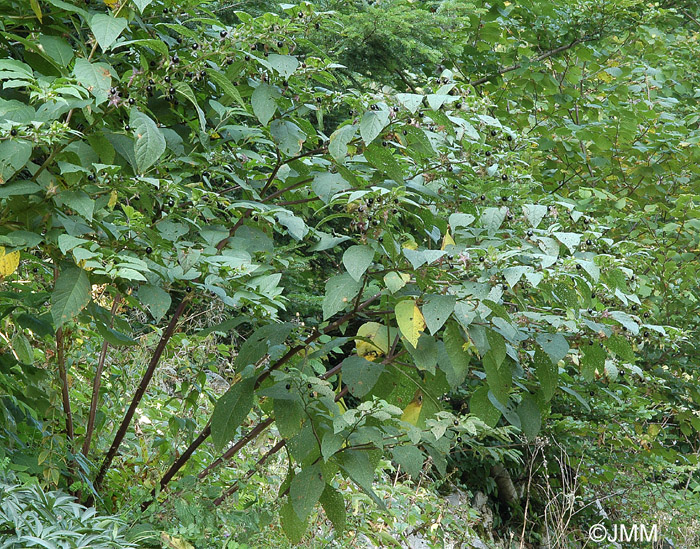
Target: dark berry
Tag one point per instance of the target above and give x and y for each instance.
(91, 177)
(308, 385)
(504, 177)
(178, 40)
(493, 133)
(113, 90)
(132, 101)
(529, 232)
(578, 267)
(592, 393)
(171, 203)
(127, 127)
(35, 270)
(396, 109)
(589, 242)
(646, 315)
(456, 422)
(149, 250)
(195, 46)
(280, 43)
(482, 259)
(385, 143)
(646, 334)
(288, 386)
(483, 197)
(149, 89)
(223, 34)
(509, 138)
(175, 59)
(458, 105)
(167, 79)
(301, 15)
(255, 218)
(459, 439)
(188, 289)
(488, 153)
(247, 58)
(317, 26)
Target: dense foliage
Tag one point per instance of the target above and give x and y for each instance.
(458, 237)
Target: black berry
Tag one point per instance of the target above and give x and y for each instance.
(149, 250)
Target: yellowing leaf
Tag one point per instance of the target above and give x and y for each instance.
(112, 3)
(36, 8)
(379, 336)
(447, 241)
(175, 543)
(412, 411)
(410, 320)
(410, 244)
(8, 263)
(112, 200)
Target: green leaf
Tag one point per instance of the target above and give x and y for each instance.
(288, 136)
(113, 337)
(264, 104)
(626, 320)
(410, 100)
(492, 219)
(497, 346)
(338, 146)
(305, 490)
(226, 86)
(425, 353)
(70, 295)
(570, 240)
(231, 410)
(79, 201)
(13, 157)
(360, 375)
(382, 159)
(107, 29)
(156, 299)
(357, 259)
(142, 4)
(534, 213)
(292, 527)
(480, 405)
(410, 459)
(593, 359)
(260, 343)
(334, 506)
(149, 144)
(437, 310)
(327, 184)
(23, 349)
(340, 291)
(372, 124)
(530, 417)
(499, 378)
(184, 90)
(547, 373)
(458, 357)
(418, 258)
(358, 467)
(57, 48)
(295, 225)
(285, 65)
(555, 345)
(289, 416)
(619, 345)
